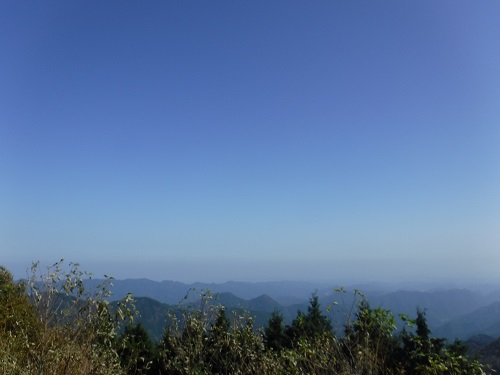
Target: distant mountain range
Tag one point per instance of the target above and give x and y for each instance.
(174, 292)
(484, 320)
(453, 313)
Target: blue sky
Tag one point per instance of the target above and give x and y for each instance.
(252, 140)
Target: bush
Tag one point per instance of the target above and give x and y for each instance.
(51, 325)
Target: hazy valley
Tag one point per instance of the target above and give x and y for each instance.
(451, 313)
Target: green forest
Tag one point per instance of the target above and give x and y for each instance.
(50, 324)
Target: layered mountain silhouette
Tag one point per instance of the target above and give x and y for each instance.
(451, 313)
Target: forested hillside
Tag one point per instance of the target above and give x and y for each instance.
(451, 313)
(51, 324)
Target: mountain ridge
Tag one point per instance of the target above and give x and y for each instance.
(449, 312)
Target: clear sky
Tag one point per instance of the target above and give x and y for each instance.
(252, 140)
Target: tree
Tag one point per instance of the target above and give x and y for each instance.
(19, 326)
(316, 322)
(423, 354)
(312, 324)
(219, 343)
(16, 312)
(51, 325)
(422, 329)
(369, 343)
(136, 350)
(274, 333)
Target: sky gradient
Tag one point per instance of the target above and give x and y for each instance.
(252, 140)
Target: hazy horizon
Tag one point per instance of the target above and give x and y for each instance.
(195, 272)
(252, 141)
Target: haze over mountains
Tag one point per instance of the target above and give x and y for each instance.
(451, 312)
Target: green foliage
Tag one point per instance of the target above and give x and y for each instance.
(206, 341)
(309, 325)
(18, 325)
(52, 325)
(373, 346)
(369, 342)
(136, 350)
(425, 355)
(274, 333)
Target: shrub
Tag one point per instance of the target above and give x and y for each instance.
(52, 325)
